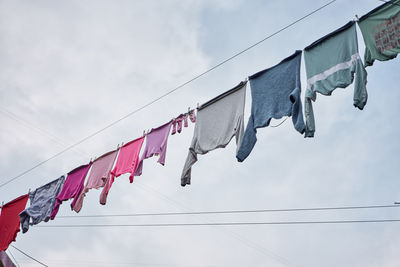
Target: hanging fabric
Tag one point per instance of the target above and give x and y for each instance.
(177, 123)
(182, 118)
(5, 261)
(333, 62)
(42, 202)
(156, 144)
(275, 93)
(127, 162)
(72, 187)
(218, 121)
(98, 176)
(381, 32)
(9, 220)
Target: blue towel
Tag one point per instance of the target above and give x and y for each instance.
(275, 93)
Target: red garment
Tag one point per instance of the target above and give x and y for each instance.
(9, 220)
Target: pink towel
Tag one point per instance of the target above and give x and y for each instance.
(72, 188)
(127, 162)
(98, 176)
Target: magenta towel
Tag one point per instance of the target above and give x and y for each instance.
(72, 188)
(156, 144)
(98, 176)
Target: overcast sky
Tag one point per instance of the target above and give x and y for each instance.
(69, 68)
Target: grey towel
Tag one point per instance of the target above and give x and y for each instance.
(218, 121)
(42, 203)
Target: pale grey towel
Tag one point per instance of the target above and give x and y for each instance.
(218, 121)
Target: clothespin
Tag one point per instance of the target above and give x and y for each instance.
(198, 105)
(117, 146)
(357, 19)
(144, 132)
(2, 204)
(188, 109)
(122, 144)
(29, 191)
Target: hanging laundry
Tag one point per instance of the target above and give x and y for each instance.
(178, 122)
(5, 261)
(218, 121)
(381, 32)
(98, 176)
(127, 162)
(9, 220)
(275, 93)
(192, 116)
(42, 201)
(333, 62)
(156, 144)
(72, 188)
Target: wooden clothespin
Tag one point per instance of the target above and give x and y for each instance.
(2, 204)
(188, 109)
(144, 132)
(198, 105)
(357, 18)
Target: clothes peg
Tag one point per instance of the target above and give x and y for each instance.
(117, 146)
(198, 105)
(357, 19)
(188, 109)
(2, 204)
(122, 144)
(144, 132)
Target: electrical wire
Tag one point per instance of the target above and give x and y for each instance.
(221, 223)
(165, 94)
(29, 256)
(40, 130)
(231, 211)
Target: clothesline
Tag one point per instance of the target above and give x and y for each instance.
(275, 93)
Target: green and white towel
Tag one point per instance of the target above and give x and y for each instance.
(332, 62)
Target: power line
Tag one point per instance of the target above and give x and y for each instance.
(31, 126)
(221, 223)
(231, 211)
(30, 256)
(166, 94)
